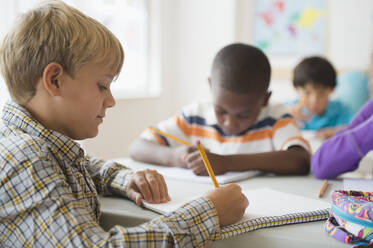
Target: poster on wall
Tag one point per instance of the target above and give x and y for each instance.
(290, 27)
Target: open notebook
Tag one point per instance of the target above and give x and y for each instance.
(188, 175)
(266, 208)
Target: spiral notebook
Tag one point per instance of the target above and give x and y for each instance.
(267, 208)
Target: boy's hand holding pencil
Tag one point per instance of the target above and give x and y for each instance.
(180, 156)
(230, 203)
(296, 110)
(188, 156)
(195, 163)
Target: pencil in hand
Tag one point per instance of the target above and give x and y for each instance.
(207, 163)
(183, 142)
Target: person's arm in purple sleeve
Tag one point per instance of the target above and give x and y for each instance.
(364, 113)
(342, 153)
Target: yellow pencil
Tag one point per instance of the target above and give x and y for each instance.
(183, 142)
(207, 163)
(323, 188)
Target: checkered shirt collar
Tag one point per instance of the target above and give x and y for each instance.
(15, 115)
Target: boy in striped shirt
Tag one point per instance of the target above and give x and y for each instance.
(239, 128)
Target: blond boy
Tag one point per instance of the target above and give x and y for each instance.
(58, 65)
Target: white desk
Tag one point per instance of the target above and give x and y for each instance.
(118, 211)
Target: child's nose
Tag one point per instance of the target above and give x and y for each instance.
(229, 123)
(312, 101)
(109, 101)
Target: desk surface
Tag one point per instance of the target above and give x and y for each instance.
(118, 211)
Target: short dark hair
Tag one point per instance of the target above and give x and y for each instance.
(241, 68)
(315, 70)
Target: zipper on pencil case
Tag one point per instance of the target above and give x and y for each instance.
(350, 218)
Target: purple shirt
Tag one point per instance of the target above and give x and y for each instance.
(343, 152)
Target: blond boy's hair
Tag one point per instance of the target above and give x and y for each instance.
(54, 32)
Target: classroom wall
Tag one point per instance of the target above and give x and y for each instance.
(350, 37)
(193, 31)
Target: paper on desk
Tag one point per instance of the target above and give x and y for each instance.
(267, 202)
(358, 184)
(262, 203)
(188, 175)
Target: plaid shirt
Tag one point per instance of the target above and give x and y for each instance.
(49, 189)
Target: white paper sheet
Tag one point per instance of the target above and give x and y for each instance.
(188, 175)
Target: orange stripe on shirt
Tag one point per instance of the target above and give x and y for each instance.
(282, 123)
(298, 138)
(189, 130)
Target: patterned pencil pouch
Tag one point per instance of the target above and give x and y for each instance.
(351, 218)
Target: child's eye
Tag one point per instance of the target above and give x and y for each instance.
(101, 87)
(220, 112)
(244, 116)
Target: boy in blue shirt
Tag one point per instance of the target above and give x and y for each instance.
(315, 79)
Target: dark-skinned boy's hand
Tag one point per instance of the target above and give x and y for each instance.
(180, 154)
(147, 185)
(195, 163)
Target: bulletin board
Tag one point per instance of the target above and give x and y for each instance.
(290, 27)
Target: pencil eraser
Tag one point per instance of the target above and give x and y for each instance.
(198, 142)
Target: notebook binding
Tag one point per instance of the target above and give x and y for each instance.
(272, 221)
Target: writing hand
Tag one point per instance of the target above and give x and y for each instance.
(230, 203)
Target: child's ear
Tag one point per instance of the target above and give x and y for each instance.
(51, 78)
(267, 95)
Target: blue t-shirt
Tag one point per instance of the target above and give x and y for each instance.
(336, 114)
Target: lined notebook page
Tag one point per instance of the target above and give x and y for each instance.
(188, 175)
(267, 202)
(269, 208)
(262, 202)
(266, 208)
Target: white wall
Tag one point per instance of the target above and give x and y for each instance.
(350, 33)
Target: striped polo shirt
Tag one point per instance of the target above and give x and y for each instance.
(274, 130)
